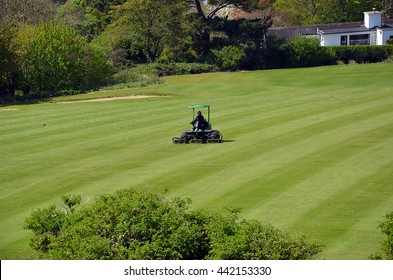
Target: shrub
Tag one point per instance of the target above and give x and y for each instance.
(386, 251)
(229, 58)
(307, 52)
(169, 69)
(153, 71)
(254, 240)
(363, 54)
(140, 225)
(46, 225)
(138, 73)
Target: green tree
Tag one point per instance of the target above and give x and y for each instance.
(387, 7)
(386, 227)
(348, 10)
(132, 224)
(9, 67)
(46, 224)
(309, 12)
(247, 34)
(203, 20)
(89, 17)
(51, 57)
(145, 28)
(54, 57)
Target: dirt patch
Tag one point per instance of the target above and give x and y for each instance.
(107, 99)
(9, 109)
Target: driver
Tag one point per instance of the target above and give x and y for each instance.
(198, 122)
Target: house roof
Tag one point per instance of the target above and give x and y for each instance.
(294, 31)
(354, 30)
(344, 30)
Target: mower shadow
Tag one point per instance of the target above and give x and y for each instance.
(225, 141)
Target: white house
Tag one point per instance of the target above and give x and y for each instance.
(372, 32)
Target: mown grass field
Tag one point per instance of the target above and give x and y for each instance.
(308, 150)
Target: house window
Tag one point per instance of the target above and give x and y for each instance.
(363, 39)
(344, 40)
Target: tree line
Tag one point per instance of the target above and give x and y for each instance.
(64, 46)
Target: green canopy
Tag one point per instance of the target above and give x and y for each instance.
(193, 107)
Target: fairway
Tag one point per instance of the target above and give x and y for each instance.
(307, 150)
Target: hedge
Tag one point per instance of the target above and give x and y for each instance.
(362, 53)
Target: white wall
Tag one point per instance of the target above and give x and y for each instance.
(331, 40)
(383, 36)
(372, 19)
(335, 39)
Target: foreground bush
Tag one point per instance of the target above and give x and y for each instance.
(141, 225)
(386, 250)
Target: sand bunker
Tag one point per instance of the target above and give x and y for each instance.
(108, 99)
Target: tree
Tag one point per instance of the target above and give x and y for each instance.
(9, 67)
(145, 28)
(27, 11)
(309, 12)
(387, 6)
(72, 14)
(350, 10)
(246, 34)
(89, 17)
(132, 224)
(203, 19)
(386, 251)
(53, 57)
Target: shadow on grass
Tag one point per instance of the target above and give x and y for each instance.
(229, 141)
(26, 101)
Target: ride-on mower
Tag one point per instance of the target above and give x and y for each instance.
(202, 133)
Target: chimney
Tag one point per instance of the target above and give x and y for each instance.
(373, 19)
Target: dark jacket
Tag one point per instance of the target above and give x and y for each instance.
(198, 122)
